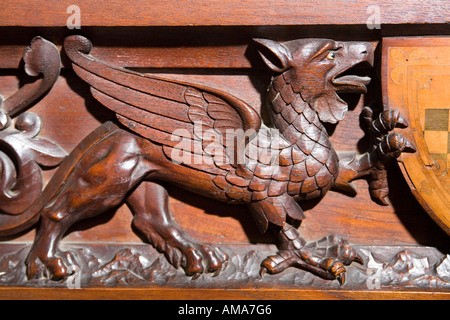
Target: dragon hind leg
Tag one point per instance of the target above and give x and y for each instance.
(97, 176)
(150, 206)
(325, 258)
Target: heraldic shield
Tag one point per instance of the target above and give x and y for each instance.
(416, 80)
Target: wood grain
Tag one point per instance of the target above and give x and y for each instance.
(213, 294)
(426, 108)
(222, 13)
(403, 221)
(193, 47)
(209, 44)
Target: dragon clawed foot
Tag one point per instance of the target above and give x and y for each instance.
(325, 258)
(203, 258)
(387, 146)
(55, 267)
(392, 145)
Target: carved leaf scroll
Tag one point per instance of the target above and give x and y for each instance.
(23, 152)
(20, 187)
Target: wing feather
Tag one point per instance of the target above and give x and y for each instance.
(148, 132)
(138, 99)
(152, 120)
(156, 108)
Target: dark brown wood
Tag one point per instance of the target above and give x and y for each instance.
(269, 172)
(213, 294)
(23, 153)
(141, 266)
(220, 56)
(194, 47)
(213, 13)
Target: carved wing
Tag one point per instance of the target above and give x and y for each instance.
(161, 110)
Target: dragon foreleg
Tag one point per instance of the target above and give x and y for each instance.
(386, 146)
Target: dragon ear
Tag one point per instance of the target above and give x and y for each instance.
(276, 56)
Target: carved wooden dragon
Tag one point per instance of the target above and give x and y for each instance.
(183, 134)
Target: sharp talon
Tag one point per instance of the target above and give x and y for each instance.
(216, 273)
(341, 278)
(409, 147)
(401, 122)
(196, 275)
(262, 272)
(383, 201)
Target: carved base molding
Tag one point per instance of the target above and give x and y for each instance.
(388, 272)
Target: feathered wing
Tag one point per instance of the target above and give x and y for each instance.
(166, 111)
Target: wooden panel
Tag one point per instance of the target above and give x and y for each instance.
(211, 294)
(217, 12)
(193, 47)
(210, 43)
(358, 219)
(175, 47)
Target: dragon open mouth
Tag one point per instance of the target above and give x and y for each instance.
(353, 79)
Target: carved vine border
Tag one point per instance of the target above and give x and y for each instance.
(142, 266)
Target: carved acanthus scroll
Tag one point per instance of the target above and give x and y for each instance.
(22, 151)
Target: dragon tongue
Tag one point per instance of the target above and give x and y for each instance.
(351, 83)
(352, 80)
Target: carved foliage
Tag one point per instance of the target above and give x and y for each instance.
(22, 151)
(142, 266)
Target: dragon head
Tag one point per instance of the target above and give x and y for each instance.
(318, 69)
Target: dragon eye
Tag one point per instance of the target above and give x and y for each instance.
(331, 55)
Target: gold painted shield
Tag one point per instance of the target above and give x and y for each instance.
(416, 80)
